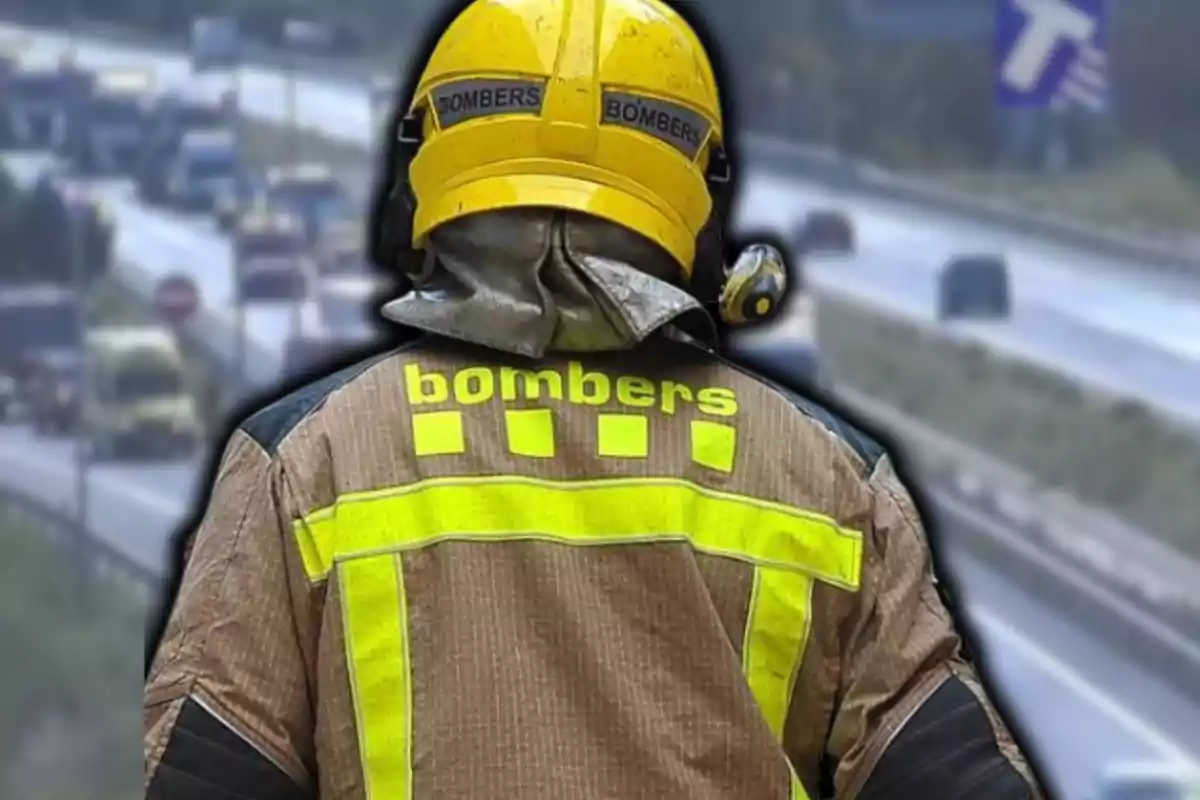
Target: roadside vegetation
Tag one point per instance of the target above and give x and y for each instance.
(1114, 454)
(70, 676)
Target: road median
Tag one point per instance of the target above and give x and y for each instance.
(1112, 453)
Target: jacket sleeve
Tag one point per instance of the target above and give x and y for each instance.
(226, 705)
(914, 719)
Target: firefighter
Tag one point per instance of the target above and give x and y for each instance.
(556, 546)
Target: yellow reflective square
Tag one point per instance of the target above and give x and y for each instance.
(623, 435)
(530, 432)
(438, 433)
(714, 445)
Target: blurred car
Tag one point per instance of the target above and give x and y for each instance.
(272, 259)
(216, 44)
(974, 287)
(36, 318)
(177, 112)
(1148, 781)
(273, 279)
(246, 197)
(267, 232)
(40, 99)
(309, 191)
(345, 302)
(138, 403)
(340, 248)
(201, 170)
(53, 391)
(108, 134)
(8, 398)
(825, 231)
(320, 37)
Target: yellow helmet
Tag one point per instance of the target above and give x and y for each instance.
(608, 107)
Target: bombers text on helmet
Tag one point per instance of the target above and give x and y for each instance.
(607, 107)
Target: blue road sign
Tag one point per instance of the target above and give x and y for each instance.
(1052, 54)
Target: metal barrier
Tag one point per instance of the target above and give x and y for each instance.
(105, 562)
(1115, 578)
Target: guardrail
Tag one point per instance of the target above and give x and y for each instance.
(104, 561)
(1115, 577)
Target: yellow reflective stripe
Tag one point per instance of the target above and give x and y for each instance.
(375, 617)
(611, 511)
(776, 634)
(777, 628)
(314, 538)
(798, 791)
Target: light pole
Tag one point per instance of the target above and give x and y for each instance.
(293, 158)
(238, 210)
(76, 211)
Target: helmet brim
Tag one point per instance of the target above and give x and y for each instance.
(556, 191)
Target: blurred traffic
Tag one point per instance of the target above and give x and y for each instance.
(137, 391)
(295, 232)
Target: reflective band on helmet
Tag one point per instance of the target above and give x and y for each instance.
(776, 632)
(789, 549)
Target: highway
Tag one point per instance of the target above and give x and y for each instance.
(1074, 312)
(1082, 703)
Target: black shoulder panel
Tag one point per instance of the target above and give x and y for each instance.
(866, 447)
(269, 426)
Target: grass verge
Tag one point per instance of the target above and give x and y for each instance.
(1116, 455)
(1112, 454)
(69, 720)
(1141, 193)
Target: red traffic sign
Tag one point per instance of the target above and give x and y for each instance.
(176, 299)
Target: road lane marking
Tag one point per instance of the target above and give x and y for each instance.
(1083, 688)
